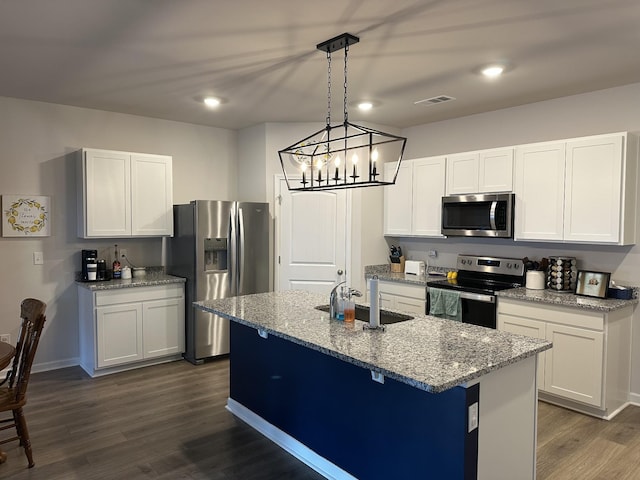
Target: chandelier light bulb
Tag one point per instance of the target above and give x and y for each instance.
(374, 155)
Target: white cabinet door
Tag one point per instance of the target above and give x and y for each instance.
(411, 305)
(152, 196)
(119, 334)
(398, 199)
(163, 327)
(387, 301)
(123, 194)
(539, 191)
(574, 365)
(530, 328)
(593, 186)
(105, 194)
(495, 170)
(462, 173)
(428, 190)
(401, 296)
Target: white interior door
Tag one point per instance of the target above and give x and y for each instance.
(310, 238)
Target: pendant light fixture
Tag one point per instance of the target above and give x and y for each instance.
(342, 155)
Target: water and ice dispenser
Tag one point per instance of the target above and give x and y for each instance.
(215, 254)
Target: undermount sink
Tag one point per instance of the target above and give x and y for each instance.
(386, 316)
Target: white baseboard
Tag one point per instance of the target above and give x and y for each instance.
(634, 399)
(285, 441)
(46, 366)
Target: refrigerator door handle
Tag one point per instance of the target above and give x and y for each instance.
(240, 247)
(232, 252)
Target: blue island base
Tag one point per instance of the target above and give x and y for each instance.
(334, 408)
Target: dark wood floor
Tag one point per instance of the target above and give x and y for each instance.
(169, 422)
(162, 422)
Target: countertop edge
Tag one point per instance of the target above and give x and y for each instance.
(567, 300)
(148, 281)
(432, 388)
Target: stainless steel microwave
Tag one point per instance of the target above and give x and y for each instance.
(482, 215)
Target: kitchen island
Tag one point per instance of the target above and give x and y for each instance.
(426, 398)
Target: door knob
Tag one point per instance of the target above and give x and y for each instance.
(340, 272)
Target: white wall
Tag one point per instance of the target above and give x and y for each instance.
(604, 111)
(252, 164)
(37, 145)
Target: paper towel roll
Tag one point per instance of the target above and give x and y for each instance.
(374, 303)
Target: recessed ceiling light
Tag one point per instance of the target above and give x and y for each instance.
(492, 71)
(211, 102)
(364, 106)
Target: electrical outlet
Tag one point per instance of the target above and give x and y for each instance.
(6, 338)
(123, 252)
(473, 417)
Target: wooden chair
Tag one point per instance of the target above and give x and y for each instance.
(13, 394)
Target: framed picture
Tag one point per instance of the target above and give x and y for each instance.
(26, 216)
(592, 284)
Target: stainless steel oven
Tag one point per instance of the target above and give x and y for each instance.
(488, 215)
(478, 279)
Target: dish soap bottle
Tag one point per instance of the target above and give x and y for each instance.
(117, 268)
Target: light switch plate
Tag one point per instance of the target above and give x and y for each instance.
(38, 258)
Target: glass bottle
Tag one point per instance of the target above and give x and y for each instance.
(117, 268)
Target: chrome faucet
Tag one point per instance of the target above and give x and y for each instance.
(333, 301)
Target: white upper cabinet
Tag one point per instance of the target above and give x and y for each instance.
(123, 194)
(495, 170)
(598, 178)
(484, 171)
(151, 195)
(105, 189)
(398, 199)
(577, 191)
(428, 190)
(539, 191)
(413, 205)
(462, 173)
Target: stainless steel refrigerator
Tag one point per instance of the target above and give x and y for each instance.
(222, 249)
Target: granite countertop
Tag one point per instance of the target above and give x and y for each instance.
(550, 297)
(151, 279)
(383, 273)
(429, 353)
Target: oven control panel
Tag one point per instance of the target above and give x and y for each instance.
(494, 265)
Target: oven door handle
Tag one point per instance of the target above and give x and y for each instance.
(477, 297)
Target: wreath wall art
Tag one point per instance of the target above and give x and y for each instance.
(25, 216)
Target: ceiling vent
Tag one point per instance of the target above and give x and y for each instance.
(434, 100)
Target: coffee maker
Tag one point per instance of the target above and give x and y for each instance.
(88, 257)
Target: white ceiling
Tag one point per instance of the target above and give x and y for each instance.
(157, 57)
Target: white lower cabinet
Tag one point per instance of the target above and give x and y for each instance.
(130, 327)
(118, 334)
(588, 367)
(401, 296)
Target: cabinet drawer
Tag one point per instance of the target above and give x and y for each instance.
(138, 294)
(564, 316)
(404, 289)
